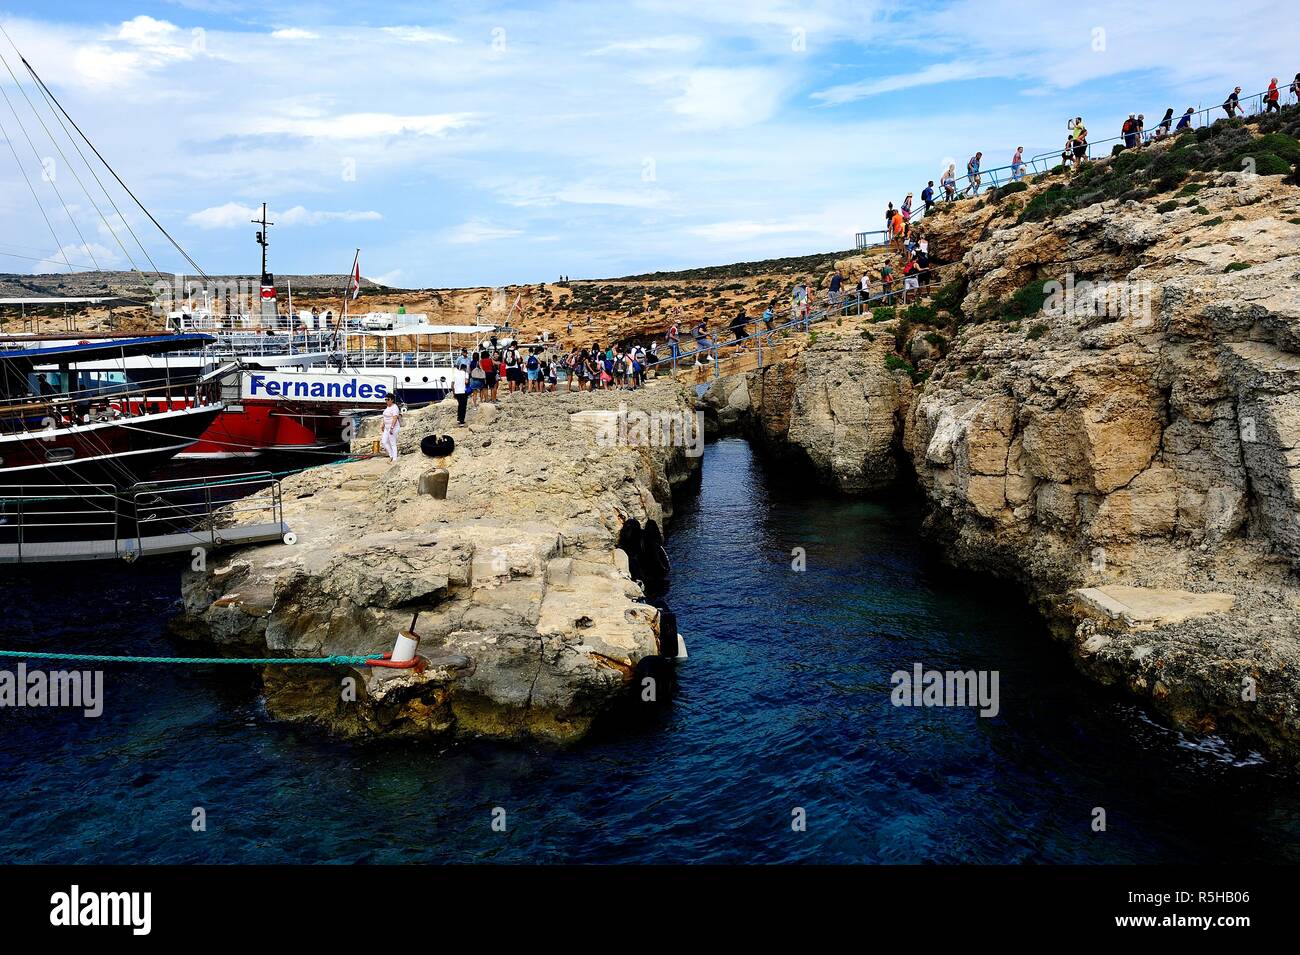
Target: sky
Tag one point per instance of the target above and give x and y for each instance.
(467, 144)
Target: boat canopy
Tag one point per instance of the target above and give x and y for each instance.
(416, 328)
(61, 301)
(104, 350)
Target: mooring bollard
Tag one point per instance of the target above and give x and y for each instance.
(408, 641)
(434, 483)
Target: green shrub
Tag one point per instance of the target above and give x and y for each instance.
(883, 313)
(1037, 330)
(896, 363)
(1202, 210)
(1169, 206)
(947, 297)
(1215, 221)
(1026, 301)
(1191, 189)
(920, 314)
(1236, 266)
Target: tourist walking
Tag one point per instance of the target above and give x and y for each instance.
(1018, 164)
(973, 174)
(1165, 125)
(674, 341)
(949, 182)
(460, 390)
(1232, 105)
(927, 196)
(392, 425)
(1271, 98)
(1129, 131)
(1186, 121)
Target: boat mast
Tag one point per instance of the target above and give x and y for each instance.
(268, 308)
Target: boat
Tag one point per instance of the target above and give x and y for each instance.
(65, 418)
(411, 353)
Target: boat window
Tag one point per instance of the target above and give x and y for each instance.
(60, 454)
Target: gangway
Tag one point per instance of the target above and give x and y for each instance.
(77, 522)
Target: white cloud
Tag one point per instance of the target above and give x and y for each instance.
(361, 125)
(719, 97)
(479, 230)
(147, 31)
(419, 35)
(233, 215)
(654, 44)
(294, 33)
(928, 76)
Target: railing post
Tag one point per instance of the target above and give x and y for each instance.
(20, 525)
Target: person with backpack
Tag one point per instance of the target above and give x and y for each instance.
(533, 369)
(674, 343)
(514, 373)
(491, 372)
(1129, 131)
(1271, 98)
(477, 379)
(1295, 89)
(927, 196)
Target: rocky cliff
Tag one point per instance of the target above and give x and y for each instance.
(530, 623)
(1103, 402)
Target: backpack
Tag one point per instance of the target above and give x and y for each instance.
(532, 363)
(1129, 127)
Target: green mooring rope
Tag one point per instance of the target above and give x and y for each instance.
(336, 660)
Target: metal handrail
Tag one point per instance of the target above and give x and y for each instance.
(151, 495)
(24, 495)
(1040, 163)
(803, 323)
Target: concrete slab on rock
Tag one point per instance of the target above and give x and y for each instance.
(1141, 607)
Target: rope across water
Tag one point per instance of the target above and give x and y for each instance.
(336, 660)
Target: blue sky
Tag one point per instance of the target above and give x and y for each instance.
(486, 144)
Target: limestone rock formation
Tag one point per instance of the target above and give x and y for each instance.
(833, 403)
(530, 626)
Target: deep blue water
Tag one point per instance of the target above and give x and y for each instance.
(784, 703)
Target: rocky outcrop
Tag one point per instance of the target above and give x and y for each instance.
(832, 403)
(529, 622)
(1138, 434)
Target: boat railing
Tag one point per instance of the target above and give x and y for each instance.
(87, 521)
(108, 402)
(30, 514)
(205, 509)
(423, 359)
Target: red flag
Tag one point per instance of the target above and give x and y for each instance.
(356, 279)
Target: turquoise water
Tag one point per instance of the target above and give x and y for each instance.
(784, 703)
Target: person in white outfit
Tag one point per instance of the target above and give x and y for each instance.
(392, 425)
(460, 388)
